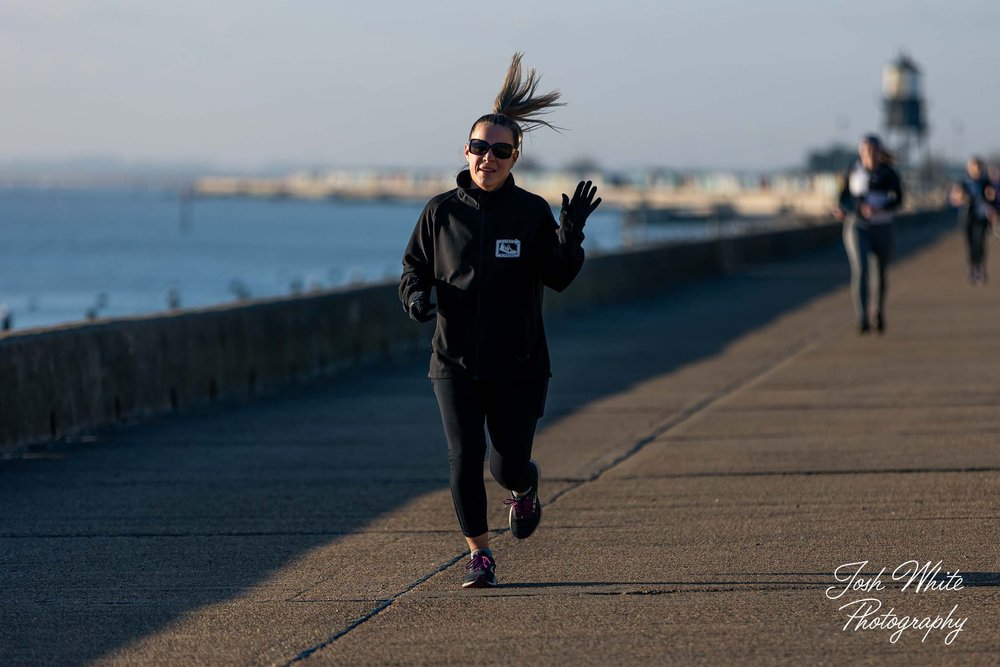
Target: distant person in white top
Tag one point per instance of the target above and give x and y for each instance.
(869, 198)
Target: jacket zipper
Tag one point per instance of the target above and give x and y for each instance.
(479, 287)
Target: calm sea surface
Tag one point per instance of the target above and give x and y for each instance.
(127, 252)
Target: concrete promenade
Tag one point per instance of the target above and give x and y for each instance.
(710, 459)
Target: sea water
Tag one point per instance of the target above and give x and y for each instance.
(68, 254)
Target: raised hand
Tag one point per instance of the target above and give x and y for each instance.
(574, 213)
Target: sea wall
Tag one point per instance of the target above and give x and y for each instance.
(57, 383)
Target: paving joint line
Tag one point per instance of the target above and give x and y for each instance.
(817, 334)
(810, 473)
(382, 606)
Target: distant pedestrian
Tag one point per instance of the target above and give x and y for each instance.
(870, 196)
(993, 172)
(488, 248)
(977, 196)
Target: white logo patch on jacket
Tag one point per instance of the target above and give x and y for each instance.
(508, 247)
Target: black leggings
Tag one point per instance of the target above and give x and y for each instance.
(860, 240)
(510, 410)
(975, 236)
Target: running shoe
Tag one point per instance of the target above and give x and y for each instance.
(480, 571)
(526, 511)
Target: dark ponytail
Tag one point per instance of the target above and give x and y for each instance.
(517, 107)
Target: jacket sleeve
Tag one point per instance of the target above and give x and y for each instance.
(895, 187)
(418, 260)
(844, 199)
(565, 256)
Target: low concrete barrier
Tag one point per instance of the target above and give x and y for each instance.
(60, 382)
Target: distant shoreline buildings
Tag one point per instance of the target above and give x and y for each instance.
(690, 193)
(701, 194)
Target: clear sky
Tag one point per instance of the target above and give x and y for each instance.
(710, 83)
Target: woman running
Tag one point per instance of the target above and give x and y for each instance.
(977, 195)
(488, 248)
(870, 195)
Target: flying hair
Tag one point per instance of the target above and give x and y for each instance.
(517, 106)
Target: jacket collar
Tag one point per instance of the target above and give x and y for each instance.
(470, 194)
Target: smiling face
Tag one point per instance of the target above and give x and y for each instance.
(488, 171)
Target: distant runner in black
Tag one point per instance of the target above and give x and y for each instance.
(993, 174)
(488, 249)
(978, 197)
(869, 198)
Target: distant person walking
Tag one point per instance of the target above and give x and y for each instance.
(488, 248)
(993, 172)
(977, 195)
(993, 176)
(869, 197)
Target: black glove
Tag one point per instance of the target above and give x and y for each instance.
(573, 215)
(421, 310)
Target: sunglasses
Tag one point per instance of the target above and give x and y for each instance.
(482, 147)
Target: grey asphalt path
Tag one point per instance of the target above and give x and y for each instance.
(710, 459)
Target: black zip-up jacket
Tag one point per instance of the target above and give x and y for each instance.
(977, 201)
(884, 191)
(488, 255)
